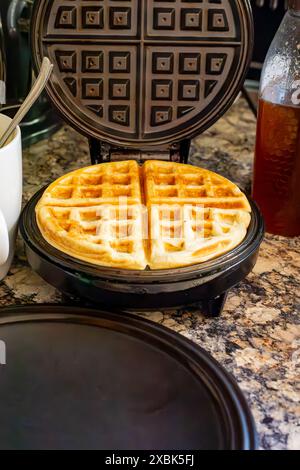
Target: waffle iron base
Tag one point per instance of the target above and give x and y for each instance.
(206, 284)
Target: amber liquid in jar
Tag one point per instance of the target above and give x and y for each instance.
(276, 184)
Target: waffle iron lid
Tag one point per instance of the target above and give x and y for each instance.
(81, 378)
(143, 72)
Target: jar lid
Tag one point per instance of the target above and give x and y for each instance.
(143, 74)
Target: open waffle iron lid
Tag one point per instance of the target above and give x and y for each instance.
(143, 74)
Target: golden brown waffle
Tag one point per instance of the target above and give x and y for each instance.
(96, 214)
(172, 183)
(195, 214)
(190, 234)
(94, 185)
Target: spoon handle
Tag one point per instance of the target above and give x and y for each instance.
(33, 95)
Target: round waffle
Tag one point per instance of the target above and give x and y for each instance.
(162, 215)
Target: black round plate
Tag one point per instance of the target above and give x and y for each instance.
(83, 379)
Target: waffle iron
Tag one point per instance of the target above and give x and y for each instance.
(140, 79)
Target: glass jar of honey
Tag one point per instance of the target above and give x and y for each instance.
(276, 181)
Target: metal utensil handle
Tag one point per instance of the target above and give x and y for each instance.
(33, 95)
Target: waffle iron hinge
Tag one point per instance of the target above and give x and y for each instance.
(102, 153)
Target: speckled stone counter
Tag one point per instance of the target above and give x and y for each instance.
(257, 338)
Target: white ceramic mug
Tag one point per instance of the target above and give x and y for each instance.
(10, 195)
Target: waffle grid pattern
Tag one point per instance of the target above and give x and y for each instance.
(97, 214)
(166, 183)
(141, 70)
(195, 214)
(99, 184)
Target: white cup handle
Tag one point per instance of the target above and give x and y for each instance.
(4, 240)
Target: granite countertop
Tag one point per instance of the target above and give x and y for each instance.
(257, 338)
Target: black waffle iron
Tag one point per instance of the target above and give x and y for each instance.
(140, 79)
